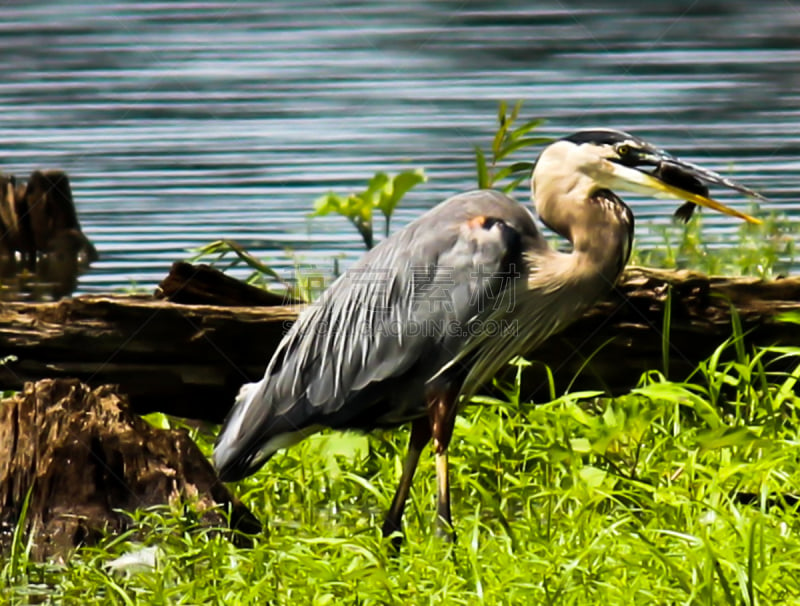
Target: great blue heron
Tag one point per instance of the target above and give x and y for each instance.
(435, 310)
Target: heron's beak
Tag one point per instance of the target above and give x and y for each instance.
(635, 180)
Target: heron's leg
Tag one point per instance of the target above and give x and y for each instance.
(444, 522)
(442, 411)
(420, 435)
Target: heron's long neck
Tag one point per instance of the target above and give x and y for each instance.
(601, 247)
(603, 250)
(560, 287)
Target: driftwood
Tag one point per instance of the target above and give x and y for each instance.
(42, 246)
(190, 360)
(79, 455)
(204, 285)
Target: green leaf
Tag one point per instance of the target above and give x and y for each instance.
(158, 420)
(517, 167)
(724, 437)
(580, 445)
(792, 317)
(592, 476)
(396, 188)
(520, 144)
(501, 113)
(483, 173)
(327, 204)
(357, 208)
(666, 330)
(499, 138)
(375, 186)
(678, 392)
(382, 192)
(523, 130)
(223, 247)
(507, 189)
(787, 388)
(738, 334)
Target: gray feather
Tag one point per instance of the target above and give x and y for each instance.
(344, 360)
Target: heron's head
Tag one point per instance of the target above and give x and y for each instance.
(572, 169)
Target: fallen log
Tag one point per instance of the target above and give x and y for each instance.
(79, 457)
(189, 360)
(186, 360)
(204, 285)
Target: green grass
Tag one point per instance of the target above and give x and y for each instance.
(765, 250)
(674, 493)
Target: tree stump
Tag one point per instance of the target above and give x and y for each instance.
(42, 246)
(82, 456)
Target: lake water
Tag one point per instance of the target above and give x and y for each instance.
(184, 122)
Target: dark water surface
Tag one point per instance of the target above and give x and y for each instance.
(184, 122)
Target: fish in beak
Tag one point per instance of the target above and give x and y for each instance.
(676, 174)
(673, 178)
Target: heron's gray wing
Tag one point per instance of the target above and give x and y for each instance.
(406, 305)
(382, 316)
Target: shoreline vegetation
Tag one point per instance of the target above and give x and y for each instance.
(678, 484)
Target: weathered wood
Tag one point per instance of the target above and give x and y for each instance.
(204, 285)
(622, 337)
(189, 360)
(80, 456)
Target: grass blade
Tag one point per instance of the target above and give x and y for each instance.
(666, 328)
(480, 165)
(521, 144)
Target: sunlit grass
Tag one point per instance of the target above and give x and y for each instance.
(674, 493)
(764, 250)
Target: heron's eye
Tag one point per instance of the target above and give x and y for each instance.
(623, 150)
